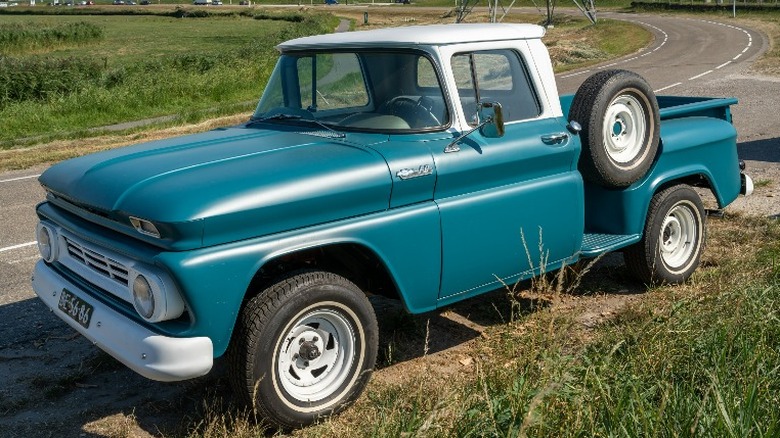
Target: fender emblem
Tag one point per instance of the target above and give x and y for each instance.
(407, 173)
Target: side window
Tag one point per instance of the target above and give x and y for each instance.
(339, 82)
(496, 76)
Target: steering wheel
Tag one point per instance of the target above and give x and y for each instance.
(416, 113)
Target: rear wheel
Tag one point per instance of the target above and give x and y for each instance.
(673, 239)
(304, 348)
(620, 127)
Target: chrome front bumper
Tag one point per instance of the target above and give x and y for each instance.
(151, 355)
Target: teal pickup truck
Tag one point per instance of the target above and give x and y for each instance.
(430, 164)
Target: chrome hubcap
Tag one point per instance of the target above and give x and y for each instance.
(316, 355)
(678, 235)
(624, 128)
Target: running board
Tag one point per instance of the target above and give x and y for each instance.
(596, 244)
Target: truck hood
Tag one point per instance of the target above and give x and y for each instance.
(237, 182)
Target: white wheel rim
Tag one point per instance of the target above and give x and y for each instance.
(624, 128)
(315, 356)
(678, 239)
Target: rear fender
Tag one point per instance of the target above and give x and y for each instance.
(693, 149)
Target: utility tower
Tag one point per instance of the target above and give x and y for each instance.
(497, 11)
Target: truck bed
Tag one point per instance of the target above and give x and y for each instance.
(674, 107)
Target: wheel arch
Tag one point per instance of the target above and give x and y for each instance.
(633, 203)
(698, 178)
(355, 261)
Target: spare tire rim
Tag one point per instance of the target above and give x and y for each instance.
(316, 355)
(624, 127)
(678, 237)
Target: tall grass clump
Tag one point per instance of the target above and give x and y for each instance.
(18, 37)
(43, 79)
(695, 360)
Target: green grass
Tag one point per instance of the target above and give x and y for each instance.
(195, 64)
(18, 37)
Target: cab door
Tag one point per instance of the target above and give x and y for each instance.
(509, 206)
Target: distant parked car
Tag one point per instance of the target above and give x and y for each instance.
(331, 2)
(146, 2)
(244, 3)
(130, 2)
(118, 2)
(216, 2)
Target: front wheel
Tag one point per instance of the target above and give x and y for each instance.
(304, 348)
(673, 239)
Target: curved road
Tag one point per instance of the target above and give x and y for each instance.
(684, 50)
(687, 57)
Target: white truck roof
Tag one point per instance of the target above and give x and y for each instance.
(410, 36)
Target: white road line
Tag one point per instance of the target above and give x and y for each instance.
(749, 44)
(571, 75)
(19, 178)
(21, 245)
(700, 75)
(667, 87)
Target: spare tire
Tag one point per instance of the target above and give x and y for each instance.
(619, 116)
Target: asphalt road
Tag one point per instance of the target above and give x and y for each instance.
(688, 57)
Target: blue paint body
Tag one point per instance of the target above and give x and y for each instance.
(230, 201)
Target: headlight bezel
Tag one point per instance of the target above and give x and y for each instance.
(53, 242)
(143, 297)
(166, 304)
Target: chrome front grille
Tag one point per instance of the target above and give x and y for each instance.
(97, 262)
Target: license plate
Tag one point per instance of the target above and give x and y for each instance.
(75, 307)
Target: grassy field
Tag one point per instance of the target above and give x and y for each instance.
(142, 67)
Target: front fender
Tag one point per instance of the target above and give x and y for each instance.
(215, 280)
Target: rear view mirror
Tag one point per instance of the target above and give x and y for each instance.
(491, 119)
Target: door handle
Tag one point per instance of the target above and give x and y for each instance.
(557, 138)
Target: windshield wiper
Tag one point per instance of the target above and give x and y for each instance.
(277, 116)
(297, 117)
(283, 116)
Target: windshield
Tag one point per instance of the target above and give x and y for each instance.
(366, 91)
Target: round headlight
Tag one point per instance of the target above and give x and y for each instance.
(143, 297)
(46, 243)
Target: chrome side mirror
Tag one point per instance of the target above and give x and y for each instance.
(491, 119)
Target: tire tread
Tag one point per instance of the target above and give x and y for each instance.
(252, 322)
